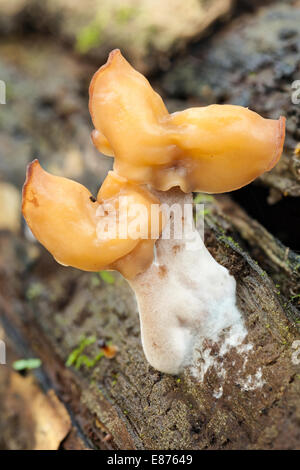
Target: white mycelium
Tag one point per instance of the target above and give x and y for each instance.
(186, 298)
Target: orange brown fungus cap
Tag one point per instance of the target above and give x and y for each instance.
(70, 223)
(212, 149)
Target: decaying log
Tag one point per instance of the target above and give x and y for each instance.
(281, 263)
(123, 403)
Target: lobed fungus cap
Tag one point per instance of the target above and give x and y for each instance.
(212, 149)
(70, 223)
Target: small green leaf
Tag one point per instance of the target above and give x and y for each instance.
(98, 357)
(74, 355)
(23, 364)
(87, 341)
(84, 360)
(107, 277)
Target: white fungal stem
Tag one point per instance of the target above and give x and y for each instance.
(185, 297)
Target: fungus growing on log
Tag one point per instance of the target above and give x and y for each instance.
(183, 294)
(85, 232)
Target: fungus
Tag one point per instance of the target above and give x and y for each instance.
(212, 149)
(183, 294)
(85, 232)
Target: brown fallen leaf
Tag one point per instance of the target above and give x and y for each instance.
(49, 420)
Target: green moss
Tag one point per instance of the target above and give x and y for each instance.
(95, 281)
(88, 37)
(297, 296)
(203, 212)
(202, 198)
(228, 241)
(126, 13)
(107, 277)
(34, 291)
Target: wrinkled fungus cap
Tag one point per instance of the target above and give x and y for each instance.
(211, 149)
(67, 220)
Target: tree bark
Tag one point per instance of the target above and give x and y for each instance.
(123, 403)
